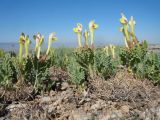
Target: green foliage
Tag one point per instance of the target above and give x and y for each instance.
(141, 62)
(8, 73)
(37, 73)
(149, 68)
(131, 57)
(85, 57)
(76, 72)
(105, 65)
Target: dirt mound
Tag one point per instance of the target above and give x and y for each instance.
(121, 97)
(124, 87)
(57, 74)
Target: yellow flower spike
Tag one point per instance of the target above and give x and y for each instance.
(123, 19)
(75, 30)
(125, 30)
(106, 50)
(112, 47)
(39, 40)
(22, 39)
(132, 24)
(86, 36)
(21, 45)
(28, 42)
(78, 31)
(122, 30)
(36, 38)
(126, 43)
(92, 27)
(52, 38)
(80, 27)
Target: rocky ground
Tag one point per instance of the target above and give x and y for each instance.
(120, 98)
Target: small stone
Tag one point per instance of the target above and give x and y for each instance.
(114, 115)
(142, 115)
(109, 102)
(51, 108)
(125, 108)
(45, 99)
(57, 102)
(81, 115)
(52, 93)
(64, 86)
(98, 105)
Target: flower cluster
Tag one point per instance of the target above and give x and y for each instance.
(78, 30)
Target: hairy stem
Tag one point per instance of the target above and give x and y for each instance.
(92, 38)
(79, 40)
(20, 53)
(113, 53)
(126, 33)
(38, 52)
(49, 47)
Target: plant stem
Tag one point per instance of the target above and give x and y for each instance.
(92, 38)
(113, 53)
(38, 52)
(49, 47)
(126, 33)
(20, 53)
(125, 42)
(79, 39)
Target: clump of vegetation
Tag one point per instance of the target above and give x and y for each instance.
(8, 74)
(76, 72)
(85, 57)
(37, 73)
(105, 65)
(136, 56)
(149, 68)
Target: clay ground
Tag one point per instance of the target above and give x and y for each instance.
(122, 97)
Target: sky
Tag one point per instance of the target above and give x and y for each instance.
(60, 16)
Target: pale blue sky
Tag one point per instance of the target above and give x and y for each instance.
(60, 16)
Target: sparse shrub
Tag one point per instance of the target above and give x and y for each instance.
(85, 57)
(131, 57)
(37, 73)
(142, 63)
(76, 72)
(149, 68)
(105, 65)
(136, 56)
(8, 75)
